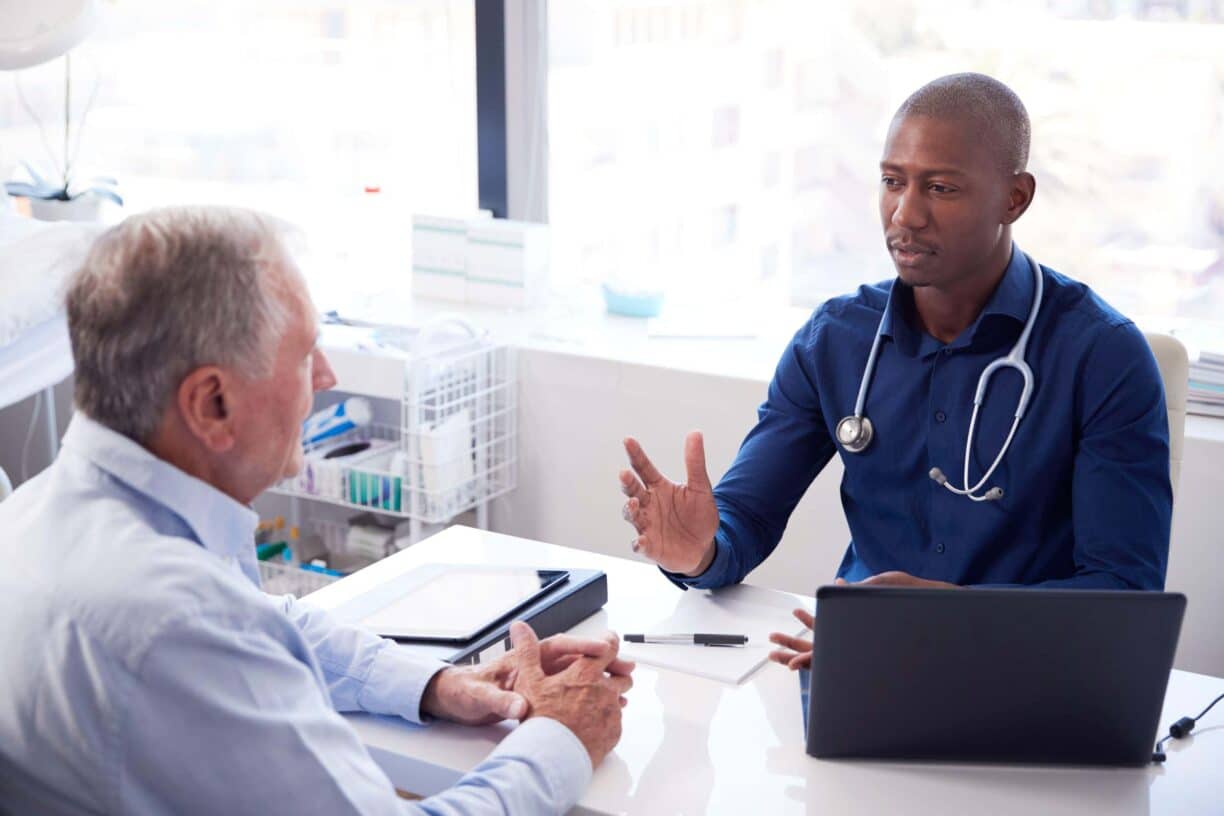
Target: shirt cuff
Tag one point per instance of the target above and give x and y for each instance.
(397, 682)
(557, 752)
(714, 575)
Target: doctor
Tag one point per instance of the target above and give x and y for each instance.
(1050, 468)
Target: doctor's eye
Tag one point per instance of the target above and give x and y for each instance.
(942, 188)
(890, 182)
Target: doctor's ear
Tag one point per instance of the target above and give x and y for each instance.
(1019, 197)
(204, 401)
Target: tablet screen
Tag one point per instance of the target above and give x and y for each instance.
(458, 602)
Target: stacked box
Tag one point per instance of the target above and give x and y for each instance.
(479, 259)
(507, 262)
(439, 250)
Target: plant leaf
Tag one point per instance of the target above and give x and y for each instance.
(106, 193)
(39, 180)
(44, 192)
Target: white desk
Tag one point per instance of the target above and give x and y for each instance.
(695, 746)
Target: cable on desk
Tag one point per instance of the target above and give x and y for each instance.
(1179, 729)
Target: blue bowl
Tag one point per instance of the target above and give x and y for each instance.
(632, 304)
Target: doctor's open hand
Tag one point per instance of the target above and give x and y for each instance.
(586, 696)
(484, 693)
(675, 522)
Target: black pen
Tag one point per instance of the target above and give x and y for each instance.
(698, 639)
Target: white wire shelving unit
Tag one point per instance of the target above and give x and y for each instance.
(454, 450)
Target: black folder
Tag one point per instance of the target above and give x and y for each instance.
(559, 610)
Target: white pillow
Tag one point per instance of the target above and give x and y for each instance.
(36, 260)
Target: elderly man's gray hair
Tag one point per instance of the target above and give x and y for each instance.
(164, 293)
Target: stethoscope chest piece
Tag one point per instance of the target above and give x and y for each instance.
(855, 433)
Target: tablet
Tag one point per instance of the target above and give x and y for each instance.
(455, 603)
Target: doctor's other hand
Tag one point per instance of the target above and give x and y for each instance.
(583, 696)
(897, 578)
(797, 652)
(483, 694)
(675, 523)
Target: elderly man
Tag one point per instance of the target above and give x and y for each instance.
(144, 671)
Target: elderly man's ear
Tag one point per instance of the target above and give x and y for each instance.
(205, 404)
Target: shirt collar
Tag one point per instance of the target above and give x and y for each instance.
(221, 525)
(1012, 299)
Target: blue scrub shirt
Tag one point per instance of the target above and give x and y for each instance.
(1087, 499)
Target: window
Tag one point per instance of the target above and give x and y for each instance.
(290, 106)
(771, 172)
(726, 126)
(726, 225)
(775, 63)
(1127, 103)
(769, 262)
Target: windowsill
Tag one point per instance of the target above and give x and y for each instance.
(744, 345)
(581, 327)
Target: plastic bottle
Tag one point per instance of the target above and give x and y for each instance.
(340, 418)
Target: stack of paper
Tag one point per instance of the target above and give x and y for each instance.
(1204, 342)
(1206, 395)
(736, 610)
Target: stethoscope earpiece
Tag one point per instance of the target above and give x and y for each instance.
(854, 433)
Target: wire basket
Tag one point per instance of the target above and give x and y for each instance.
(291, 579)
(460, 436)
(456, 446)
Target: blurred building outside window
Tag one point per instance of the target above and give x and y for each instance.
(1126, 100)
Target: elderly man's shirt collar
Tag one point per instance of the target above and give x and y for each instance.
(217, 522)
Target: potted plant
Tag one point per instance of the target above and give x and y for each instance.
(65, 198)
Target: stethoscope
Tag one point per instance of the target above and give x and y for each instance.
(855, 432)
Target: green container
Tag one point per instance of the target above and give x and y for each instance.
(376, 487)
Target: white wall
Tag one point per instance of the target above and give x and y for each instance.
(574, 411)
(15, 425)
(1196, 556)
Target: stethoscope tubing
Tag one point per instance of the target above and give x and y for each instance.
(859, 425)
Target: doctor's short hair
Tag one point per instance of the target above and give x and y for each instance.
(164, 293)
(992, 108)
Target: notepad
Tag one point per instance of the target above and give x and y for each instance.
(741, 610)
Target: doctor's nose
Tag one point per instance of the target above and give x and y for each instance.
(909, 211)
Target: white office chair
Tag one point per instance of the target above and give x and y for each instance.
(1174, 367)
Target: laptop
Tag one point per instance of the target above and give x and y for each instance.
(990, 675)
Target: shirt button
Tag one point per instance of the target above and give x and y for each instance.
(940, 416)
(939, 548)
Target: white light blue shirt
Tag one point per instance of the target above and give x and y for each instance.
(143, 670)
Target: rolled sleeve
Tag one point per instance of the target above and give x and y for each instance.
(397, 681)
(363, 671)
